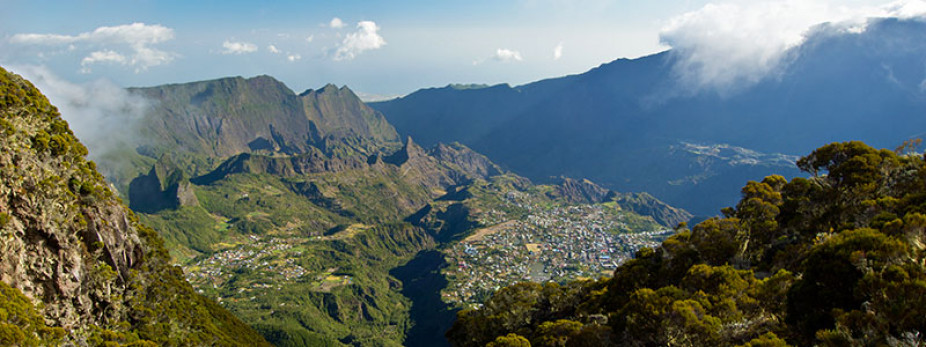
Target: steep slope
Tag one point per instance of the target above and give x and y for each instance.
(833, 260)
(202, 123)
(74, 251)
(630, 124)
(228, 116)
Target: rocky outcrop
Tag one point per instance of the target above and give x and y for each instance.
(465, 159)
(587, 192)
(341, 118)
(286, 166)
(73, 249)
(647, 205)
(164, 187)
(578, 191)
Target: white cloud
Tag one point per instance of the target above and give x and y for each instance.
(310, 38)
(336, 23)
(290, 56)
(104, 116)
(507, 55)
(232, 47)
(129, 45)
(106, 56)
(738, 43)
(904, 9)
(558, 51)
(364, 39)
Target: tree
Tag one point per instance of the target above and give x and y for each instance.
(510, 340)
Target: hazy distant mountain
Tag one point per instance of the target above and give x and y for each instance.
(631, 125)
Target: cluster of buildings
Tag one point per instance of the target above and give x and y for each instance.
(270, 256)
(555, 244)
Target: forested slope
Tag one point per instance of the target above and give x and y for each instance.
(836, 260)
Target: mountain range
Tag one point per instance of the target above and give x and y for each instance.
(316, 219)
(635, 125)
(270, 198)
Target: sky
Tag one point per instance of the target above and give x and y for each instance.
(389, 48)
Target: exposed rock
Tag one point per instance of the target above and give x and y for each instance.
(68, 244)
(574, 191)
(410, 151)
(467, 160)
(229, 116)
(585, 191)
(164, 187)
(647, 205)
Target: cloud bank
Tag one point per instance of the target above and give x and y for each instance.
(128, 45)
(558, 51)
(364, 39)
(736, 44)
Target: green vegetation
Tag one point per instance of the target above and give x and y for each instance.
(304, 258)
(835, 260)
(84, 258)
(328, 288)
(21, 323)
(292, 211)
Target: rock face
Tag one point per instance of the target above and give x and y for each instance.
(164, 187)
(647, 205)
(228, 116)
(579, 191)
(467, 159)
(244, 125)
(585, 191)
(68, 244)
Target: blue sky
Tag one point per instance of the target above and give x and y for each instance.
(389, 47)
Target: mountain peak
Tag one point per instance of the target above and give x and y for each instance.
(225, 117)
(409, 152)
(330, 89)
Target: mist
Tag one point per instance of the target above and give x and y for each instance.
(103, 116)
(728, 46)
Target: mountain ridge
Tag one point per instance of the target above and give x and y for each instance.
(319, 217)
(620, 124)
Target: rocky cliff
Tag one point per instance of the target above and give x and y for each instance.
(225, 117)
(80, 257)
(587, 192)
(164, 187)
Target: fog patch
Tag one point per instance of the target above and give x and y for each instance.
(103, 116)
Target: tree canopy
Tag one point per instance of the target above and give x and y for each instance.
(834, 259)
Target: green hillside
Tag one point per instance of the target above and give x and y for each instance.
(77, 266)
